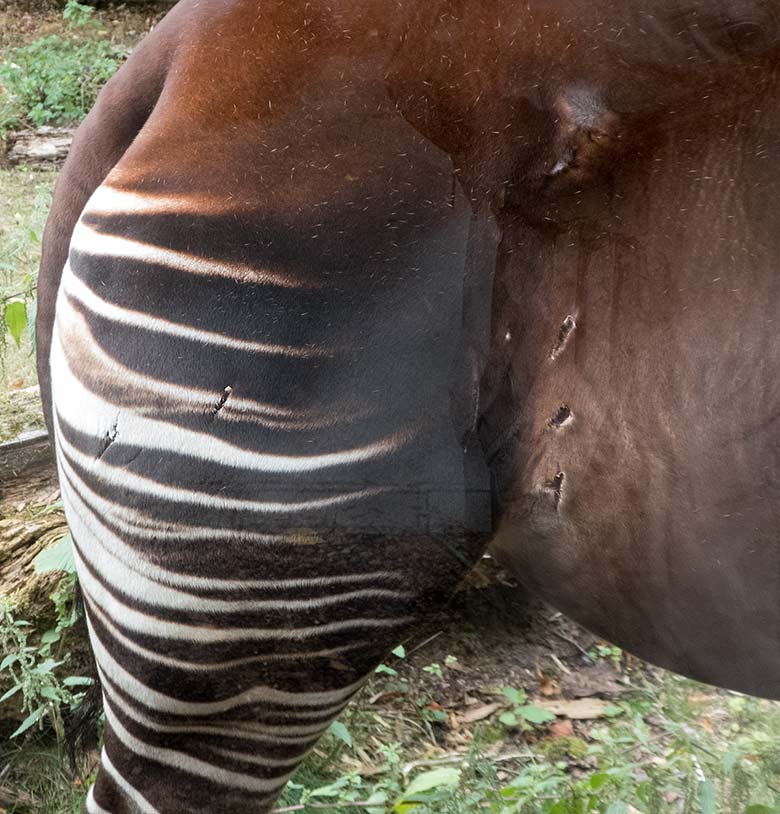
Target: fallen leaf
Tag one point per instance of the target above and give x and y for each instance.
(600, 679)
(479, 714)
(581, 709)
(548, 688)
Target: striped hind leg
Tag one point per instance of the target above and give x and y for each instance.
(212, 711)
(156, 763)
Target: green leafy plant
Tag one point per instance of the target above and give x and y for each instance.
(606, 651)
(80, 15)
(15, 313)
(384, 669)
(34, 668)
(24, 203)
(523, 715)
(56, 79)
(427, 788)
(58, 557)
(434, 670)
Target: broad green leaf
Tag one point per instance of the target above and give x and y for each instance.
(443, 777)
(707, 799)
(434, 780)
(379, 798)
(613, 711)
(31, 719)
(58, 557)
(338, 730)
(32, 312)
(760, 809)
(514, 696)
(332, 789)
(50, 693)
(508, 719)
(78, 681)
(400, 652)
(50, 637)
(598, 780)
(16, 319)
(383, 668)
(15, 689)
(8, 660)
(47, 666)
(730, 760)
(535, 715)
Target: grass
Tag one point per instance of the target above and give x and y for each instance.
(25, 197)
(674, 747)
(46, 59)
(671, 747)
(38, 784)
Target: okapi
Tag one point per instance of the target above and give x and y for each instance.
(336, 293)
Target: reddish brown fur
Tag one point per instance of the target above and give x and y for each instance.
(627, 156)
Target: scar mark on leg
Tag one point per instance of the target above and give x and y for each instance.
(555, 485)
(108, 439)
(564, 333)
(222, 400)
(563, 415)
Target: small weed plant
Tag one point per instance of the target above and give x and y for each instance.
(24, 202)
(35, 667)
(523, 715)
(654, 754)
(56, 79)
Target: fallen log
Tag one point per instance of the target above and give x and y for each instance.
(27, 451)
(31, 517)
(31, 520)
(45, 147)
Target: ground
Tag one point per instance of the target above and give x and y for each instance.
(498, 704)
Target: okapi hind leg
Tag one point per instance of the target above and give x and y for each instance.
(219, 721)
